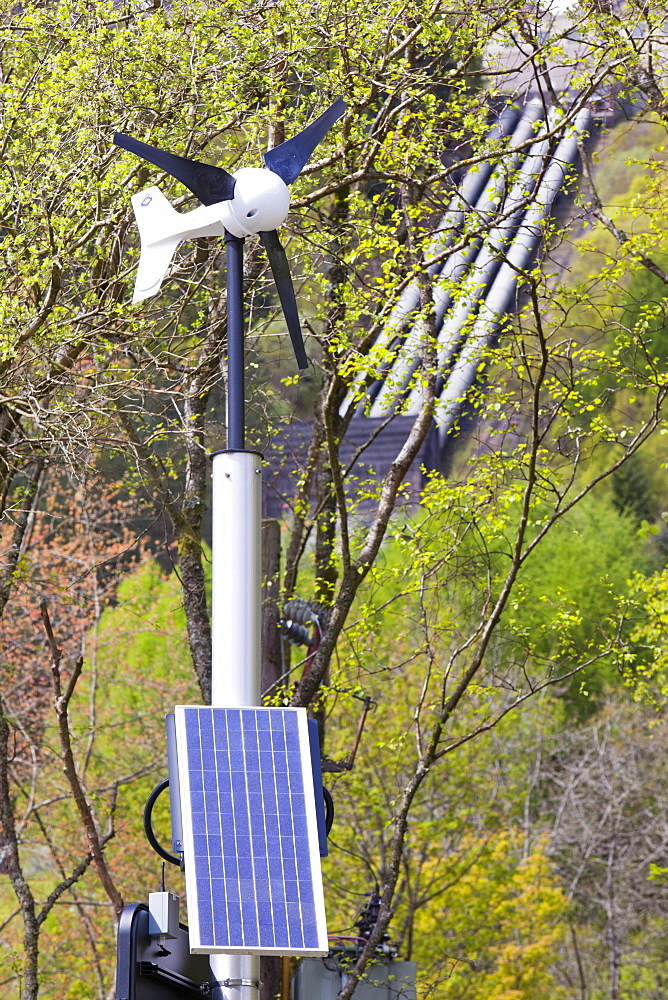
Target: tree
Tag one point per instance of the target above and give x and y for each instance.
(133, 652)
(91, 385)
(604, 789)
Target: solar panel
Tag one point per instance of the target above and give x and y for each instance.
(252, 864)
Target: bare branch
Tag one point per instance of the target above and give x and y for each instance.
(95, 840)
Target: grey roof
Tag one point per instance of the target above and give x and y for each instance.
(286, 459)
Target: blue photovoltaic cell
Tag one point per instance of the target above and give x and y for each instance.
(254, 881)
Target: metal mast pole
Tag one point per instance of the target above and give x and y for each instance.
(236, 431)
(236, 576)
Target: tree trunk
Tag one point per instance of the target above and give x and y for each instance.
(20, 886)
(613, 943)
(271, 633)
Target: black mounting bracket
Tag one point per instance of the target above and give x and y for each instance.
(146, 971)
(170, 978)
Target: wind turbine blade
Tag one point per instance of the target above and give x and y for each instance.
(208, 183)
(286, 293)
(289, 159)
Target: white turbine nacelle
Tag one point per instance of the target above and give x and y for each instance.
(261, 203)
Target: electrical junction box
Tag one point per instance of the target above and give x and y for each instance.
(323, 979)
(163, 914)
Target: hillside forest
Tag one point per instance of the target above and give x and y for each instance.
(505, 623)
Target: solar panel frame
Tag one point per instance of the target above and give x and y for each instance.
(258, 875)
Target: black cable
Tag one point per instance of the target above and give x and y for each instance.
(329, 809)
(148, 826)
(173, 858)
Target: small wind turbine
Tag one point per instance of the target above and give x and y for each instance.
(252, 201)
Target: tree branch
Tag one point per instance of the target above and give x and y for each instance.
(95, 840)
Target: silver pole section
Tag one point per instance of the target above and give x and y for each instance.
(236, 578)
(235, 635)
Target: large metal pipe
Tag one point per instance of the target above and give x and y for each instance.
(481, 268)
(478, 191)
(499, 301)
(458, 321)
